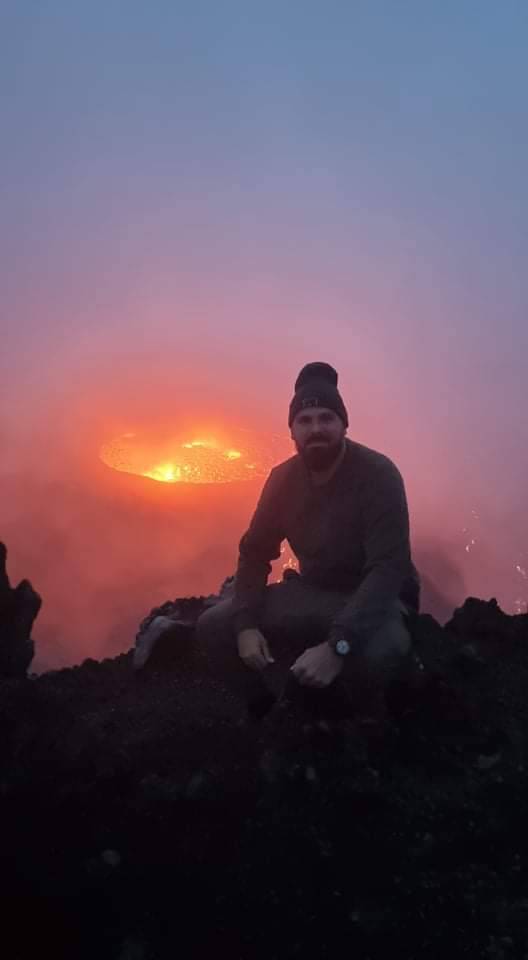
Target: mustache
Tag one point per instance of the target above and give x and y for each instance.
(317, 438)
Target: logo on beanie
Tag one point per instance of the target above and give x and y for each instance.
(309, 402)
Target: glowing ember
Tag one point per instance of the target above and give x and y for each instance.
(202, 460)
(287, 561)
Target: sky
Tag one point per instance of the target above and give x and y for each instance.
(197, 199)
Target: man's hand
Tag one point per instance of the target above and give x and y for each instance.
(317, 666)
(253, 649)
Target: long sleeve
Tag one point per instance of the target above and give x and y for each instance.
(387, 555)
(258, 547)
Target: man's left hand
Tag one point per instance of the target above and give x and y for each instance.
(317, 666)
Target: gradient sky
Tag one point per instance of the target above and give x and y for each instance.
(198, 198)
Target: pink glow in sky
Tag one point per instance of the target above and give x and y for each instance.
(198, 200)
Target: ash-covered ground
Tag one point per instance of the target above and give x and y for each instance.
(144, 816)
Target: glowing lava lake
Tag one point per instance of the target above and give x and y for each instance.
(195, 460)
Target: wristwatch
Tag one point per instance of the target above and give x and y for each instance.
(339, 644)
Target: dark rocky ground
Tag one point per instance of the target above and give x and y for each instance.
(143, 816)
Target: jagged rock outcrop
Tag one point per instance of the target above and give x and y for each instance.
(484, 621)
(19, 607)
(144, 816)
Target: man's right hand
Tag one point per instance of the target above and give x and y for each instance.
(253, 649)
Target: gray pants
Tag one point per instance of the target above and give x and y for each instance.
(295, 616)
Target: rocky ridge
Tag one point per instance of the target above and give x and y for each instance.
(145, 815)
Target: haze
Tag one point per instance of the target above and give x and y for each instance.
(198, 198)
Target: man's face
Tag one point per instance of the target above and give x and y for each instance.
(318, 434)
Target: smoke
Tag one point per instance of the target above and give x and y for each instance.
(103, 547)
(101, 560)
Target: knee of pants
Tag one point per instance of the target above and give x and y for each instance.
(391, 641)
(215, 622)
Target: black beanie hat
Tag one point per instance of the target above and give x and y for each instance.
(316, 386)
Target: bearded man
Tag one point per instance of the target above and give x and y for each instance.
(342, 508)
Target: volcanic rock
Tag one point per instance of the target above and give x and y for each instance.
(146, 816)
(19, 607)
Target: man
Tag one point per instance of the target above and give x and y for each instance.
(342, 507)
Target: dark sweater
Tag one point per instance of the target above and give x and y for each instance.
(351, 534)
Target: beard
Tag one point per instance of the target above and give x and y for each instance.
(322, 456)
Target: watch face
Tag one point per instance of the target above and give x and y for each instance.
(342, 647)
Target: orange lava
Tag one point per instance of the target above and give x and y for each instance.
(196, 460)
